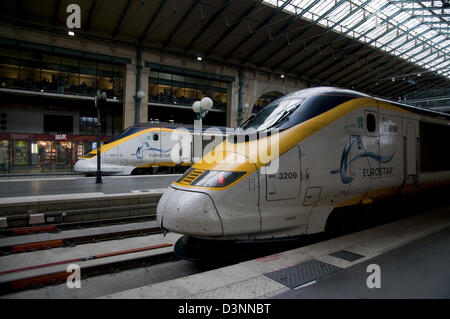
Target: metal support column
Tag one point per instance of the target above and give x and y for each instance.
(240, 97)
(137, 107)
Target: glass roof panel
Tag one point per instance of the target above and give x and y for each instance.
(384, 24)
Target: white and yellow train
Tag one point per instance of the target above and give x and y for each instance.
(337, 148)
(145, 148)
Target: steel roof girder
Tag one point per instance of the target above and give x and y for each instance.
(284, 27)
(56, 9)
(207, 24)
(385, 53)
(261, 25)
(233, 26)
(336, 6)
(311, 5)
(150, 22)
(343, 35)
(374, 60)
(122, 16)
(178, 25)
(363, 45)
(90, 16)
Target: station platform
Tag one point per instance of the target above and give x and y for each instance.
(413, 256)
(44, 186)
(38, 201)
(420, 269)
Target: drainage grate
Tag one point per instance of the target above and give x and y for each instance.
(302, 273)
(346, 255)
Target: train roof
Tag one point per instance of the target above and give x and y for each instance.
(418, 110)
(337, 91)
(329, 97)
(189, 127)
(324, 90)
(142, 126)
(297, 107)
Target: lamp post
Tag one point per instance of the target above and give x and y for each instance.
(99, 100)
(140, 95)
(201, 108)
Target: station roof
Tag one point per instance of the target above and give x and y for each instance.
(384, 48)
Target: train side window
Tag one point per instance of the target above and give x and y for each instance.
(155, 137)
(371, 123)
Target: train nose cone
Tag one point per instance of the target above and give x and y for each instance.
(82, 165)
(190, 213)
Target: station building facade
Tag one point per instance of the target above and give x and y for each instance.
(48, 82)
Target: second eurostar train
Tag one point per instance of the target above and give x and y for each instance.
(145, 148)
(337, 148)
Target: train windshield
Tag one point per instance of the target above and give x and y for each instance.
(128, 131)
(272, 114)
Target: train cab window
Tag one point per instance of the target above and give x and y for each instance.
(127, 132)
(155, 137)
(371, 123)
(295, 108)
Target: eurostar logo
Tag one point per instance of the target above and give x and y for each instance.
(346, 178)
(145, 146)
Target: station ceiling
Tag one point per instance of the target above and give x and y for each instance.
(385, 48)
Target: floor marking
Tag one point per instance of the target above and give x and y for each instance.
(306, 285)
(143, 176)
(5, 179)
(346, 255)
(38, 179)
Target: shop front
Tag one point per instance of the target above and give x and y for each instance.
(43, 153)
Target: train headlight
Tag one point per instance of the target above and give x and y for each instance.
(216, 179)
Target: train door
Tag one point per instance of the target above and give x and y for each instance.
(123, 156)
(154, 153)
(391, 157)
(142, 150)
(120, 159)
(410, 150)
(111, 158)
(279, 203)
(285, 183)
(359, 164)
(177, 146)
(364, 154)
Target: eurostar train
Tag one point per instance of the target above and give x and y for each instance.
(337, 148)
(147, 148)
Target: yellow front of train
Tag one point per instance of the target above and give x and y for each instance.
(218, 197)
(206, 200)
(87, 164)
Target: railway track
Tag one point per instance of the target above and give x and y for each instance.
(50, 276)
(25, 243)
(66, 217)
(54, 228)
(17, 277)
(76, 227)
(91, 225)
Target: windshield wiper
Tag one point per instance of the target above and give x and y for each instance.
(284, 116)
(245, 122)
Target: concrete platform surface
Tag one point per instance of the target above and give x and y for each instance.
(10, 188)
(249, 280)
(420, 269)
